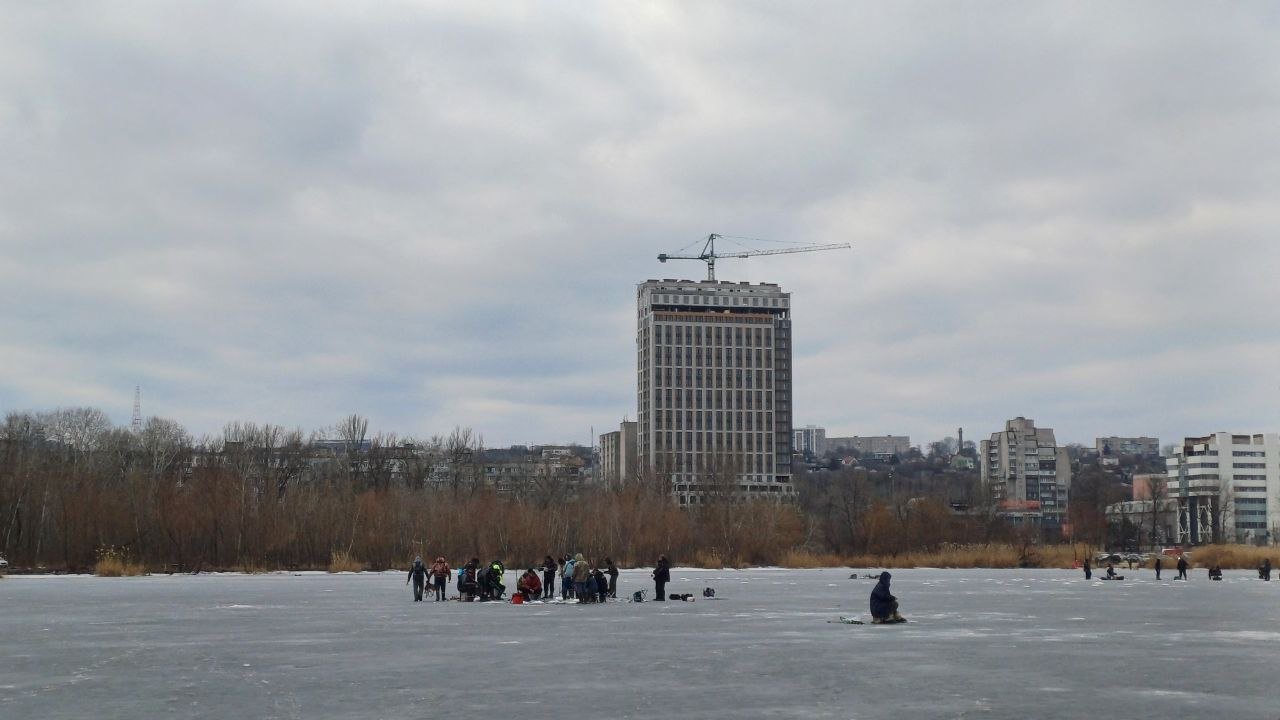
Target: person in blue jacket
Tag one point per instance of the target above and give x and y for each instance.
(884, 606)
(566, 578)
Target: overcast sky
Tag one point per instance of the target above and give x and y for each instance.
(437, 214)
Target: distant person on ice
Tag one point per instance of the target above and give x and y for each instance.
(884, 606)
(1264, 572)
(661, 576)
(1157, 567)
(1182, 568)
(1088, 571)
(417, 575)
(1111, 571)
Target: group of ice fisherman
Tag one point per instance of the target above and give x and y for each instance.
(580, 579)
(1215, 571)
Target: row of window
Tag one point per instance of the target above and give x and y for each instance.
(690, 462)
(699, 336)
(1251, 501)
(728, 420)
(700, 299)
(1251, 466)
(712, 399)
(732, 379)
(709, 441)
(716, 357)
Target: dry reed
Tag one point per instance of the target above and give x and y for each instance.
(949, 556)
(112, 563)
(342, 561)
(1229, 557)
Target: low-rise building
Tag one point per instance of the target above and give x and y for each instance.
(881, 447)
(1116, 446)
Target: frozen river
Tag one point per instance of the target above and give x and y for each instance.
(981, 643)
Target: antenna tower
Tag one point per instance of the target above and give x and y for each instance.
(137, 408)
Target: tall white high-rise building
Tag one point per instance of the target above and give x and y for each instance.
(1026, 472)
(1227, 487)
(714, 386)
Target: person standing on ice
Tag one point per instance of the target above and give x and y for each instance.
(612, 572)
(440, 576)
(1182, 568)
(1088, 571)
(1157, 567)
(581, 574)
(661, 576)
(548, 577)
(417, 575)
(566, 578)
(884, 606)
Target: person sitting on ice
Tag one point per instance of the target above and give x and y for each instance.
(1264, 570)
(493, 580)
(1215, 572)
(529, 585)
(884, 606)
(1111, 571)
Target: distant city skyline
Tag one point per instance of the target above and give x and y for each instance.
(437, 216)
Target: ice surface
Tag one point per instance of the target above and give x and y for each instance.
(981, 643)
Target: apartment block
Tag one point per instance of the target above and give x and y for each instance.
(810, 440)
(618, 454)
(714, 386)
(1227, 487)
(1026, 472)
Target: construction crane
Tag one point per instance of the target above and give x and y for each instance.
(709, 254)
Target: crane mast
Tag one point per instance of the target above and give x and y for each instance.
(709, 254)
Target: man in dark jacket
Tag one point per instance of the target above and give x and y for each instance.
(417, 574)
(1157, 567)
(548, 577)
(661, 576)
(1088, 571)
(602, 585)
(1182, 568)
(884, 606)
(612, 572)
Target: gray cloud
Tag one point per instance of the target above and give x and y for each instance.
(436, 215)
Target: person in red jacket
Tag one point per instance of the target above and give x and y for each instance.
(529, 585)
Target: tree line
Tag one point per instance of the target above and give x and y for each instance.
(260, 497)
